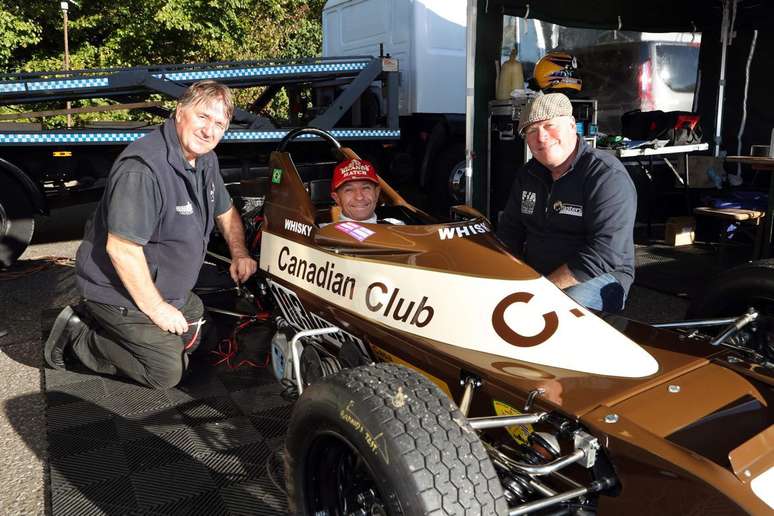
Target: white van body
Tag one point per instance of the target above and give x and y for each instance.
(426, 36)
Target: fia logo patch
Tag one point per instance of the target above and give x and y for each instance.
(528, 200)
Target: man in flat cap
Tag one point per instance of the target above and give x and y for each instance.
(570, 214)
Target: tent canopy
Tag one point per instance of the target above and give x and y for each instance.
(640, 15)
(645, 16)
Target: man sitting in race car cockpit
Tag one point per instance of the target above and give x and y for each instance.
(355, 190)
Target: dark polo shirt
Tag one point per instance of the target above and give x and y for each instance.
(154, 198)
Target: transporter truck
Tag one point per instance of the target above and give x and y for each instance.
(427, 38)
(43, 168)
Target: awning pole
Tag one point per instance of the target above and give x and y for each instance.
(725, 35)
(470, 81)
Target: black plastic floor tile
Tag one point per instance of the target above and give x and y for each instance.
(226, 434)
(204, 504)
(92, 390)
(112, 497)
(260, 398)
(171, 483)
(142, 458)
(147, 424)
(197, 412)
(262, 496)
(65, 445)
(87, 468)
(77, 413)
(206, 447)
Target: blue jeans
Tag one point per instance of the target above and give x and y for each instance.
(601, 293)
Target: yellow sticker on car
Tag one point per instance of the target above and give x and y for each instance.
(519, 433)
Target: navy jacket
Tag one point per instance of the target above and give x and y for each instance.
(585, 219)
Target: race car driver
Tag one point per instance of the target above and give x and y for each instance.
(355, 189)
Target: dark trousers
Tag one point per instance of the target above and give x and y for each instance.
(125, 342)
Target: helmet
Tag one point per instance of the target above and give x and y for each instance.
(557, 71)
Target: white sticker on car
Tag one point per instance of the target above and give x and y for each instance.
(530, 320)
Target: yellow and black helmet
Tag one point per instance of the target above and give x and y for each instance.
(557, 71)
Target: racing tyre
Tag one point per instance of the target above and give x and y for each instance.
(384, 440)
(16, 221)
(735, 290)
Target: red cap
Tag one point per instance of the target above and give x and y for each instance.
(353, 170)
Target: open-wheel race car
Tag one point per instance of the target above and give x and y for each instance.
(438, 374)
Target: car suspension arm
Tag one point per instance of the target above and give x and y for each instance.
(733, 328)
(297, 358)
(483, 423)
(595, 487)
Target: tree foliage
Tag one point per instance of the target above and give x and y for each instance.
(16, 31)
(124, 33)
(106, 33)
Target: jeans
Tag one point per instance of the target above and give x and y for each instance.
(601, 293)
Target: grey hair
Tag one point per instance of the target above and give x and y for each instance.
(205, 92)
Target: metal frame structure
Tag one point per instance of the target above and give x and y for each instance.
(356, 74)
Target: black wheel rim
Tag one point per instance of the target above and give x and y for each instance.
(339, 482)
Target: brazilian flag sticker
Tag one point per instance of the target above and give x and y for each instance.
(276, 175)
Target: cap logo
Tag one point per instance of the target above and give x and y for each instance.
(354, 168)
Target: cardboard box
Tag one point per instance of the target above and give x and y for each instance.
(679, 231)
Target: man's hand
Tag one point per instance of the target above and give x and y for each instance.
(242, 267)
(562, 277)
(168, 318)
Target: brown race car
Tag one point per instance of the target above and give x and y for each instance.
(438, 374)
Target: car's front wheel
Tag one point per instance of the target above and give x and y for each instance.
(384, 440)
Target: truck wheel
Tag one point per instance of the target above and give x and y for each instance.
(735, 290)
(384, 440)
(16, 221)
(446, 189)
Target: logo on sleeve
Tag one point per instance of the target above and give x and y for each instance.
(212, 191)
(528, 202)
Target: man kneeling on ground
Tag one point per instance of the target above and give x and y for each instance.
(143, 248)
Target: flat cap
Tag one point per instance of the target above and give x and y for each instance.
(544, 107)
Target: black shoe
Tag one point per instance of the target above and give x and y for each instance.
(66, 326)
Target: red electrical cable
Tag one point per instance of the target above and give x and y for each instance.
(232, 345)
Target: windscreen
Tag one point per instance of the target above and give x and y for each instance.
(622, 70)
(676, 65)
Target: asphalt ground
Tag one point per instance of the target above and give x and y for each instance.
(33, 290)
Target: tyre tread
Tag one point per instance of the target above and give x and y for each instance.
(439, 449)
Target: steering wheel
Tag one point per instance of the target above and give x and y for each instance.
(292, 135)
